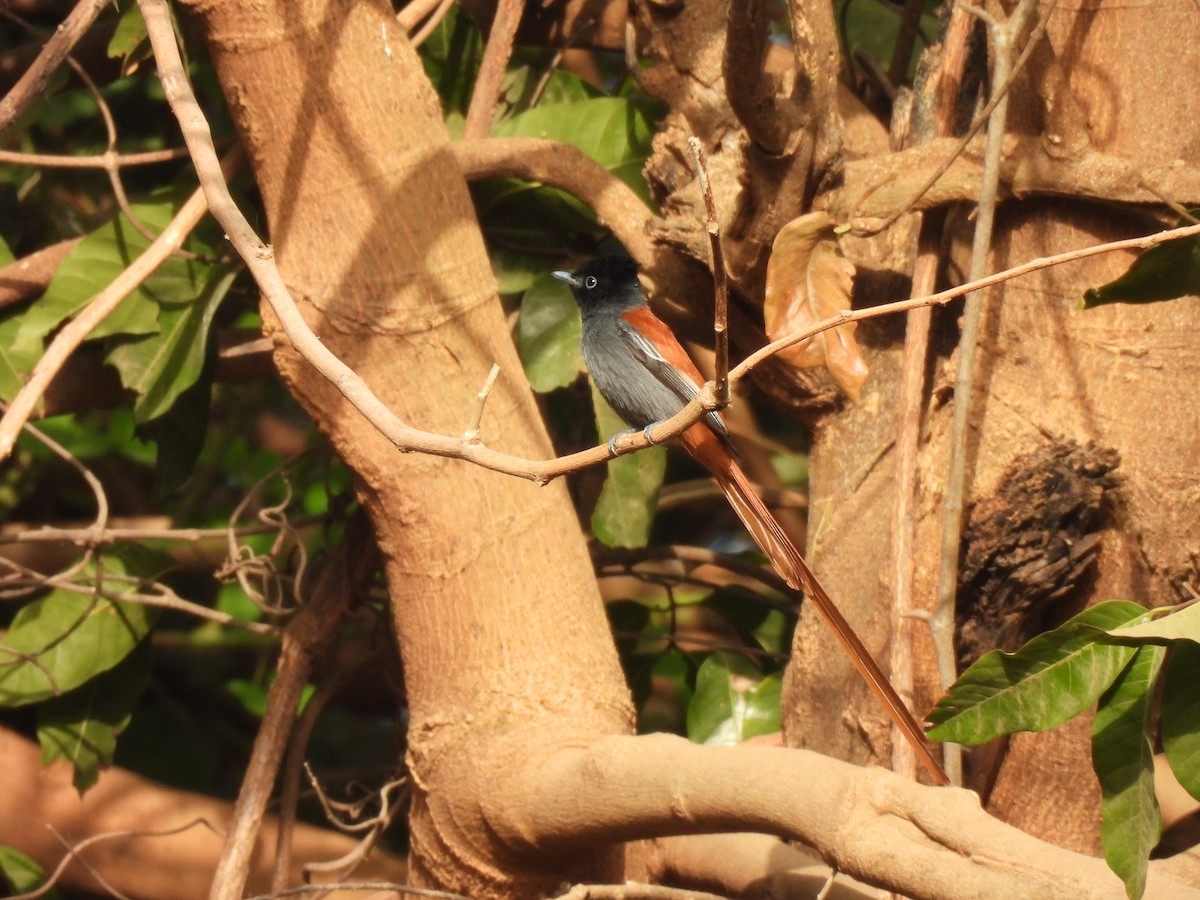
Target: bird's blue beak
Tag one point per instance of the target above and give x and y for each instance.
(567, 277)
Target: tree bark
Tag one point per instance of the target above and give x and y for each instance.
(504, 641)
(1049, 373)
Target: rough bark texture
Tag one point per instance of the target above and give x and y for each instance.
(1120, 376)
(505, 646)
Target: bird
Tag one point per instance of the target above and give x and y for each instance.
(644, 373)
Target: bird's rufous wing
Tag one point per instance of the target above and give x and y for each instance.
(655, 346)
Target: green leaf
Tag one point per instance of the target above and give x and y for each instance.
(1165, 272)
(160, 367)
(98, 259)
(22, 874)
(526, 74)
(129, 34)
(62, 640)
(614, 131)
(82, 726)
(1178, 625)
(548, 335)
(1053, 678)
(732, 702)
(1181, 715)
(15, 363)
(624, 514)
(872, 28)
(1123, 757)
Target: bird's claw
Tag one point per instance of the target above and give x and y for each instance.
(612, 441)
(648, 431)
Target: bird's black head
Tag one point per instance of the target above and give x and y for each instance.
(610, 282)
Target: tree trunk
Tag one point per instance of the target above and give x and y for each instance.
(505, 645)
(1050, 376)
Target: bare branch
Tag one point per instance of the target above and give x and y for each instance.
(720, 280)
(491, 70)
(107, 160)
(33, 83)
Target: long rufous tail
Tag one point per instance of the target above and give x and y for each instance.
(791, 566)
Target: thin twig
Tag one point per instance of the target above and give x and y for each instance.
(1004, 36)
(720, 281)
(33, 83)
(106, 160)
(471, 435)
(416, 12)
(418, 38)
(1178, 208)
(491, 70)
(911, 402)
(74, 850)
(96, 530)
(99, 537)
(110, 130)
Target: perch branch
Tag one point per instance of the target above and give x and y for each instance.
(260, 262)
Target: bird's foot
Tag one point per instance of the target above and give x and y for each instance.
(648, 431)
(612, 441)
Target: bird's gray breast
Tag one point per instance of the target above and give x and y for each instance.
(630, 388)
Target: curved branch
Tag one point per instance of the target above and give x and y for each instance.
(887, 184)
(916, 840)
(769, 119)
(564, 166)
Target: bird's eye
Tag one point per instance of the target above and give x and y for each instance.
(589, 282)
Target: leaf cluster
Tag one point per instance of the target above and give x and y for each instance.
(1114, 656)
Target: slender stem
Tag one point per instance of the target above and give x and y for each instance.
(1004, 36)
(491, 70)
(720, 281)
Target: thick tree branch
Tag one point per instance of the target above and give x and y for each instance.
(920, 841)
(884, 185)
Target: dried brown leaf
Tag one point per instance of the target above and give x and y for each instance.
(809, 280)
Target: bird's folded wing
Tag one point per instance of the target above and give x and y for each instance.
(680, 376)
